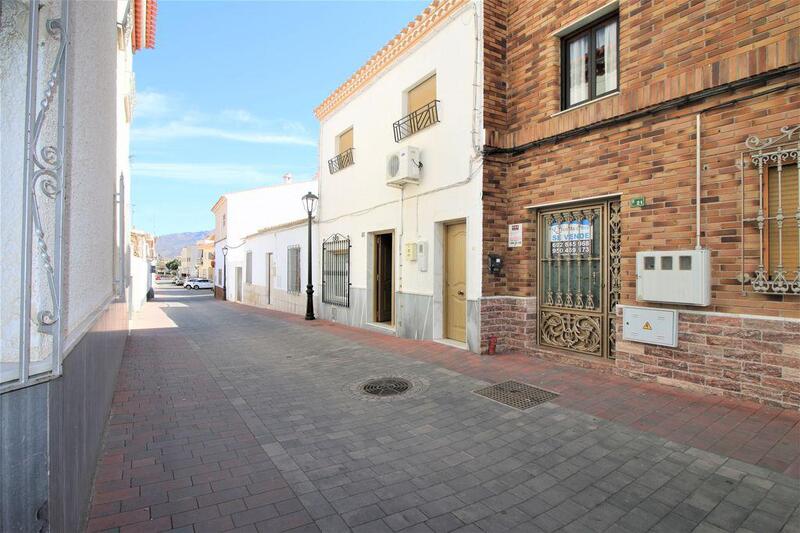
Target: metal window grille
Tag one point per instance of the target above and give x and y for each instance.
(417, 120)
(293, 281)
(770, 168)
(343, 160)
(336, 270)
(43, 182)
(248, 275)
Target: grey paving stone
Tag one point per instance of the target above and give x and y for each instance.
(444, 523)
(727, 516)
(472, 513)
(439, 461)
(362, 515)
(404, 519)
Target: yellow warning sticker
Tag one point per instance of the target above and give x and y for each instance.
(647, 326)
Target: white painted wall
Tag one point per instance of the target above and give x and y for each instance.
(252, 210)
(356, 201)
(92, 161)
(277, 242)
(98, 76)
(141, 281)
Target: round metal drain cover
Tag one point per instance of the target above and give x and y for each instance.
(386, 386)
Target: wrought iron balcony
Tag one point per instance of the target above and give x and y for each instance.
(343, 160)
(425, 116)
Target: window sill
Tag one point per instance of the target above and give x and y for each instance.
(584, 104)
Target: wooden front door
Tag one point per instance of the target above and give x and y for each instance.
(383, 277)
(238, 284)
(455, 285)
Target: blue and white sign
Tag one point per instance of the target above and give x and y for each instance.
(571, 238)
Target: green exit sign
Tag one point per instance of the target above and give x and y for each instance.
(638, 201)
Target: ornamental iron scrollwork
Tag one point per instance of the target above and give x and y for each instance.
(47, 176)
(43, 186)
(772, 275)
(572, 331)
(753, 142)
(614, 261)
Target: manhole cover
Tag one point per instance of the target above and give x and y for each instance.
(517, 395)
(386, 386)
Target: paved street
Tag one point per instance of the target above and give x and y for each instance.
(229, 417)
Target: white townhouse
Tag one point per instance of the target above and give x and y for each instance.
(400, 183)
(67, 99)
(240, 217)
(276, 266)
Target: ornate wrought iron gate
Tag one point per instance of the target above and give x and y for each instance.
(579, 261)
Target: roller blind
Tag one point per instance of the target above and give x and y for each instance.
(345, 141)
(788, 199)
(422, 95)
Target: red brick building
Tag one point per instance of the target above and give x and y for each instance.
(592, 114)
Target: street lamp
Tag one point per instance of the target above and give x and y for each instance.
(225, 273)
(308, 202)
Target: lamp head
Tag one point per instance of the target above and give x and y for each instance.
(309, 200)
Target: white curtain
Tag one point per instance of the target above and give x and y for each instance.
(578, 59)
(608, 40)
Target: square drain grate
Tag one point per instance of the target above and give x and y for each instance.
(516, 394)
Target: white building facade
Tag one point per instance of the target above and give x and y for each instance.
(275, 267)
(400, 177)
(66, 95)
(238, 217)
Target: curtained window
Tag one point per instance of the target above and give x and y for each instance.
(590, 62)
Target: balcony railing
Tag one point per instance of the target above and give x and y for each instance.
(343, 160)
(425, 116)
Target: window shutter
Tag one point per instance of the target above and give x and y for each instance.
(422, 95)
(789, 202)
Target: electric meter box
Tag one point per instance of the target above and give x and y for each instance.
(411, 251)
(651, 326)
(677, 277)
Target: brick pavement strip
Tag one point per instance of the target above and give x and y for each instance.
(244, 418)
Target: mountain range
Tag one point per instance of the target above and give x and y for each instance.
(170, 245)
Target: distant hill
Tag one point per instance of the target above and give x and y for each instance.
(170, 245)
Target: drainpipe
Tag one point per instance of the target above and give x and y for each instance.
(697, 182)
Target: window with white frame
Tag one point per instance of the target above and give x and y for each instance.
(293, 281)
(248, 275)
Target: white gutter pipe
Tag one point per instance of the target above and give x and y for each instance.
(697, 182)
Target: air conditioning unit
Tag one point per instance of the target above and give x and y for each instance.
(403, 167)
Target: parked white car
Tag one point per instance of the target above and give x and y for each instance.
(178, 281)
(198, 283)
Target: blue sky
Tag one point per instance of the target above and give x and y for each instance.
(225, 101)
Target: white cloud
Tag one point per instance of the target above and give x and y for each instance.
(151, 104)
(192, 130)
(238, 115)
(161, 117)
(209, 174)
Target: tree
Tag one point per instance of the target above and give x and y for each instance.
(174, 264)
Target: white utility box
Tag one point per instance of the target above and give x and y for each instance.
(649, 325)
(422, 256)
(678, 277)
(411, 251)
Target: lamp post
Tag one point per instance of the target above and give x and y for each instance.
(225, 273)
(308, 202)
